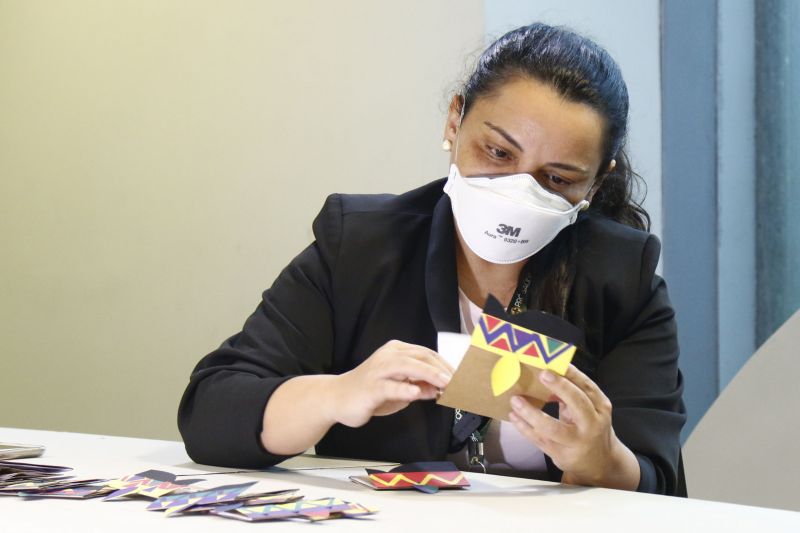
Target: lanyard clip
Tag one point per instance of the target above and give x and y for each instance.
(475, 452)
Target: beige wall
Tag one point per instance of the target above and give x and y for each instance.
(161, 161)
(744, 449)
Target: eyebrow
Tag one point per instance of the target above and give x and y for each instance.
(565, 166)
(507, 136)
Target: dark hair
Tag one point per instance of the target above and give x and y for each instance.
(581, 71)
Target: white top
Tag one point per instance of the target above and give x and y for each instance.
(506, 450)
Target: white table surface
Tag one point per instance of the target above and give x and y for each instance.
(490, 505)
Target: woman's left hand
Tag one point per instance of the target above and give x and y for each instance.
(581, 442)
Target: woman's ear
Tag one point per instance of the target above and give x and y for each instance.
(600, 179)
(453, 121)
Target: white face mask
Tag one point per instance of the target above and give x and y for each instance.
(508, 218)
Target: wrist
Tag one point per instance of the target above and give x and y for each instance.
(619, 470)
(284, 432)
(331, 390)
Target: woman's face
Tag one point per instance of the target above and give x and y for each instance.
(526, 127)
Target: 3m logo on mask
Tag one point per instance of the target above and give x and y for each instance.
(511, 231)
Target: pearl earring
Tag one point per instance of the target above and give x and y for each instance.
(447, 145)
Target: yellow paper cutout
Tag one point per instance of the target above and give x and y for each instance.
(505, 373)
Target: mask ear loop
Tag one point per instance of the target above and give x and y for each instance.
(588, 202)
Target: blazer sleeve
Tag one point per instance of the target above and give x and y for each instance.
(290, 333)
(640, 376)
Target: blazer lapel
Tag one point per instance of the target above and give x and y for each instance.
(441, 277)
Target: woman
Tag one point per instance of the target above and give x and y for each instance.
(339, 354)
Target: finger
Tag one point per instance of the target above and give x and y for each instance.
(443, 362)
(421, 353)
(543, 424)
(428, 356)
(599, 400)
(427, 391)
(564, 413)
(399, 391)
(568, 392)
(434, 359)
(409, 368)
(530, 433)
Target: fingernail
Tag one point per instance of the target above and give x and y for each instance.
(445, 377)
(547, 377)
(516, 402)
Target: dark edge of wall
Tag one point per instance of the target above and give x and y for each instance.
(777, 164)
(689, 195)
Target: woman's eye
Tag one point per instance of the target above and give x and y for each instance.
(497, 153)
(557, 180)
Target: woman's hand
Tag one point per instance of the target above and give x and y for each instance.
(394, 376)
(581, 442)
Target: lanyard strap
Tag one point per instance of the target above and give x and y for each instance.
(520, 301)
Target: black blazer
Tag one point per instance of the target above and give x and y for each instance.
(383, 267)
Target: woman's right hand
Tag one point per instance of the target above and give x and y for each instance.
(395, 375)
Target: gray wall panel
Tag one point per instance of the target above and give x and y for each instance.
(689, 135)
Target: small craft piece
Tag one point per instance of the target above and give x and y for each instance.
(80, 489)
(35, 485)
(151, 484)
(261, 498)
(32, 480)
(178, 503)
(314, 510)
(16, 476)
(75, 492)
(45, 481)
(16, 472)
(426, 477)
(503, 360)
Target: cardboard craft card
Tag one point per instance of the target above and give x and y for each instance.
(503, 360)
(427, 477)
